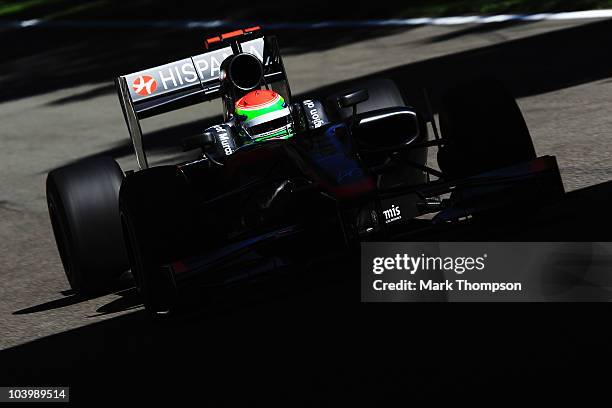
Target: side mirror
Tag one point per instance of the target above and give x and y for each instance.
(353, 98)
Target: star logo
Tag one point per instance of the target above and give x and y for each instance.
(144, 85)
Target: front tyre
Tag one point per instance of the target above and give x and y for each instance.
(484, 129)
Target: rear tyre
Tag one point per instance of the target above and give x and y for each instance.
(485, 129)
(159, 227)
(83, 203)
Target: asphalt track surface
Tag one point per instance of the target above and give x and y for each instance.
(306, 330)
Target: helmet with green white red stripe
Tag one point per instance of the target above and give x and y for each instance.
(264, 115)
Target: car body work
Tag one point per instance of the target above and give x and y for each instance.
(332, 185)
(352, 168)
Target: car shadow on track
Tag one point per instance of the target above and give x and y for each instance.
(121, 287)
(66, 301)
(128, 299)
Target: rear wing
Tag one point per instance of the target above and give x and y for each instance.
(192, 80)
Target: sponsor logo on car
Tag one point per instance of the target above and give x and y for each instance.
(224, 139)
(184, 74)
(392, 214)
(316, 115)
(144, 85)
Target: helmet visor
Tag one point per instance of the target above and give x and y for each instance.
(274, 124)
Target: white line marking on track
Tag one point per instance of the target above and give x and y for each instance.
(207, 24)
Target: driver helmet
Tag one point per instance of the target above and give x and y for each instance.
(263, 114)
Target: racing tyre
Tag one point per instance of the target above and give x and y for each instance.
(484, 128)
(158, 224)
(83, 202)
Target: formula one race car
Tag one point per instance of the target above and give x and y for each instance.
(283, 181)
